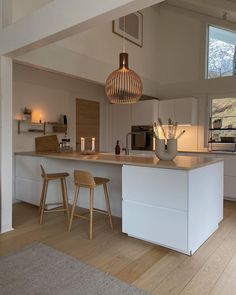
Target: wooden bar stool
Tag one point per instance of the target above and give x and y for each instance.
(86, 180)
(46, 178)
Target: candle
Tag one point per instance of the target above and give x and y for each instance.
(82, 143)
(93, 144)
(40, 118)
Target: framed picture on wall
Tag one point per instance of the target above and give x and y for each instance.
(130, 27)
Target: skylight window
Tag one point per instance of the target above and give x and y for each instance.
(221, 53)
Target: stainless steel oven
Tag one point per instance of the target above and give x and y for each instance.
(142, 138)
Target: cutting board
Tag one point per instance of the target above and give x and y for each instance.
(46, 143)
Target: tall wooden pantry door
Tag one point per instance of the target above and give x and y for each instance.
(87, 122)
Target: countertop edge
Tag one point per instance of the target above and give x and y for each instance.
(118, 161)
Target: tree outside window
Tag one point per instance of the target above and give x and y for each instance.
(221, 53)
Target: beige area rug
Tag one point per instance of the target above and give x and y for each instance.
(39, 269)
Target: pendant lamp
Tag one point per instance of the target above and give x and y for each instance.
(123, 86)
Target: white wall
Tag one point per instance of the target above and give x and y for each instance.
(94, 54)
(21, 8)
(171, 62)
(52, 94)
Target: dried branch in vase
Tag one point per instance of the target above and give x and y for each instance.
(172, 129)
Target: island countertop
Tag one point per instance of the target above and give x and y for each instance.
(179, 163)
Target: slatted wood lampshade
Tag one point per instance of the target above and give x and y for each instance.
(123, 86)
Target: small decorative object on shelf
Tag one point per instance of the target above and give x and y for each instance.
(217, 123)
(27, 114)
(222, 134)
(166, 149)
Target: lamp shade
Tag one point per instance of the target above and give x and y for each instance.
(123, 86)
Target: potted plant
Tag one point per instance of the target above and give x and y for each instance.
(27, 114)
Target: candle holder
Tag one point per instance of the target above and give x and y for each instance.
(82, 144)
(93, 144)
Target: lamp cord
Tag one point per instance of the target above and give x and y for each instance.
(123, 33)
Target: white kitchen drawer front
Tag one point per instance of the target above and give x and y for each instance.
(230, 187)
(157, 225)
(137, 185)
(29, 191)
(28, 167)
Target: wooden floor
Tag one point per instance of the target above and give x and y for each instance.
(212, 269)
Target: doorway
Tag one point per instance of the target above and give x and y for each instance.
(87, 123)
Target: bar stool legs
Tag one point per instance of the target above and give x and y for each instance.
(76, 195)
(108, 204)
(43, 200)
(91, 214)
(65, 197)
(86, 180)
(44, 196)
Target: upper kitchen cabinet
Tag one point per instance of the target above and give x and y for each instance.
(166, 110)
(183, 110)
(144, 112)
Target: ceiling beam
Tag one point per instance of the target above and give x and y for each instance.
(60, 19)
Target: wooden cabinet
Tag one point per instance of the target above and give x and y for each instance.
(87, 123)
(144, 112)
(183, 111)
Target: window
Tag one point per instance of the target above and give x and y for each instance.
(224, 109)
(221, 53)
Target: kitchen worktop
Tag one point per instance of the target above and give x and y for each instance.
(179, 163)
(205, 151)
(159, 201)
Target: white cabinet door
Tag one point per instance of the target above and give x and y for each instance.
(229, 175)
(166, 110)
(120, 124)
(183, 111)
(145, 112)
(229, 164)
(230, 187)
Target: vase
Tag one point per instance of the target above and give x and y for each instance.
(166, 153)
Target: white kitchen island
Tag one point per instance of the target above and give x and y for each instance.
(177, 204)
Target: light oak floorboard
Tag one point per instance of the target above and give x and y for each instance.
(180, 274)
(211, 270)
(206, 278)
(227, 282)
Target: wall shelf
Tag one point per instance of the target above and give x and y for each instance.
(36, 127)
(223, 138)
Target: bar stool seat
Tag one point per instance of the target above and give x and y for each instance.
(46, 178)
(52, 176)
(86, 180)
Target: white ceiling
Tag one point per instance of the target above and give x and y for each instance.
(216, 8)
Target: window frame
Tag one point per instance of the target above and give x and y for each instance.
(221, 27)
(209, 111)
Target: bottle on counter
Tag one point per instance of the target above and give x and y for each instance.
(117, 148)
